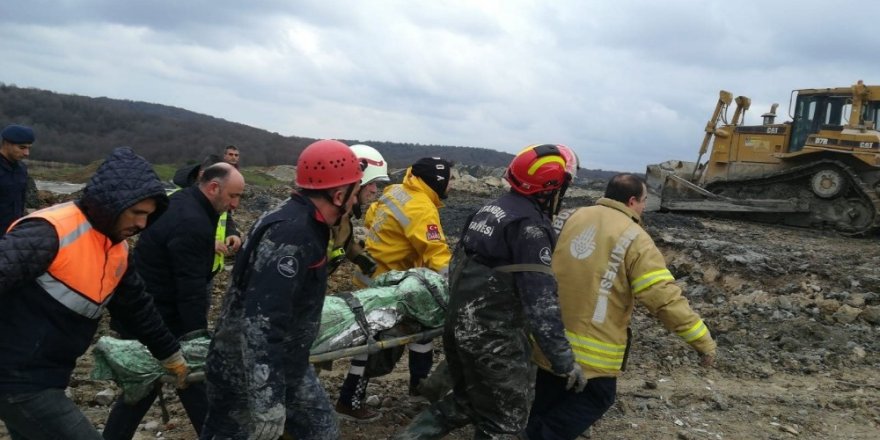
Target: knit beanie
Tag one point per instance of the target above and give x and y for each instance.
(434, 172)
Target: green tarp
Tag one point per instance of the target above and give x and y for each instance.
(417, 296)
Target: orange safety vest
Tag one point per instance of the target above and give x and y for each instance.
(88, 266)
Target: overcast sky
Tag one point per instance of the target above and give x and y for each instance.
(625, 83)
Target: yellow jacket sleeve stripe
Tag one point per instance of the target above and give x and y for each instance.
(649, 279)
(595, 345)
(696, 332)
(598, 362)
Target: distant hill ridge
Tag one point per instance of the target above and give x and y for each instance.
(80, 129)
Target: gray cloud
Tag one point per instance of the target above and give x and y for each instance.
(624, 83)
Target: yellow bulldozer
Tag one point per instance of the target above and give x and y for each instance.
(819, 170)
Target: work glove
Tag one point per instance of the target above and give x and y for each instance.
(575, 379)
(269, 425)
(708, 359)
(176, 365)
(366, 263)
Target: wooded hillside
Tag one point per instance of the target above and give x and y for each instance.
(80, 129)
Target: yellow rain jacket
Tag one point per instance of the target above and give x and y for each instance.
(403, 230)
(604, 262)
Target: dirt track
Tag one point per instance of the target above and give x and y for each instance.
(797, 318)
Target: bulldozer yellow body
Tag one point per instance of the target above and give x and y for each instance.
(819, 170)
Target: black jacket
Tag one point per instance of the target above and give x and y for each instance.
(186, 177)
(511, 230)
(270, 316)
(40, 339)
(13, 183)
(174, 257)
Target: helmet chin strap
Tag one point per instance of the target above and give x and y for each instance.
(551, 201)
(340, 208)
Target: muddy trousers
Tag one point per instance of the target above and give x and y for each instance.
(492, 390)
(44, 415)
(124, 418)
(558, 414)
(309, 415)
(354, 388)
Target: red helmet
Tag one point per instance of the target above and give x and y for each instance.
(327, 164)
(539, 168)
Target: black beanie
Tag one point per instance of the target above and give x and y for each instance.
(434, 172)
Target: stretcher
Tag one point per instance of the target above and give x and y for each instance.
(351, 324)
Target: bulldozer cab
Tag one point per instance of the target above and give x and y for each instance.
(832, 110)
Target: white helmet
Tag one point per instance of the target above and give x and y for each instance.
(376, 168)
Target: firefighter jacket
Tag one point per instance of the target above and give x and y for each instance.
(13, 182)
(259, 355)
(403, 230)
(604, 263)
(59, 270)
(174, 258)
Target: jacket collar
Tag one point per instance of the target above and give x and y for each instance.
(614, 204)
(416, 184)
(204, 202)
(310, 205)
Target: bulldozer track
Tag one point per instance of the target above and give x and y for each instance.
(857, 185)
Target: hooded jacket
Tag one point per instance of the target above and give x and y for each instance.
(605, 263)
(41, 338)
(403, 229)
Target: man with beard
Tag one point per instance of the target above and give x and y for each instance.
(60, 267)
(174, 258)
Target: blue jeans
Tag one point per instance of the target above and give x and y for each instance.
(558, 414)
(45, 415)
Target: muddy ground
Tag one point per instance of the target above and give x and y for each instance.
(796, 314)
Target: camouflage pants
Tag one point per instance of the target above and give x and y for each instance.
(309, 415)
(493, 382)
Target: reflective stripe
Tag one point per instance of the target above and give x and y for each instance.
(395, 211)
(356, 370)
(372, 235)
(595, 353)
(400, 196)
(615, 259)
(81, 229)
(544, 160)
(696, 332)
(649, 279)
(420, 348)
(220, 235)
(78, 277)
(70, 298)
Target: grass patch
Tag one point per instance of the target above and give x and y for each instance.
(257, 177)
